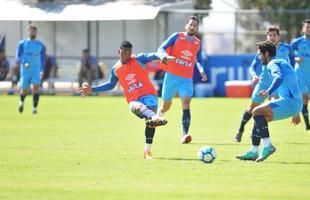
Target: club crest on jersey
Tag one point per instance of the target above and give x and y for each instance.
(130, 77)
(135, 86)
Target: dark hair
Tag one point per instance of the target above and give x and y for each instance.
(267, 46)
(85, 50)
(306, 21)
(31, 26)
(126, 45)
(273, 28)
(193, 18)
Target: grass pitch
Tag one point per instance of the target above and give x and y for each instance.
(93, 149)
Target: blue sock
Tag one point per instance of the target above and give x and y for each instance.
(255, 136)
(305, 115)
(186, 120)
(245, 118)
(22, 97)
(149, 135)
(35, 100)
(261, 126)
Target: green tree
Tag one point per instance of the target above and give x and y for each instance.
(288, 14)
(202, 5)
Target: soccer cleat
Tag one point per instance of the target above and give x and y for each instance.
(266, 152)
(34, 111)
(249, 155)
(156, 121)
(238, 137)
(186, 139)
(148, 155)
(21, 107)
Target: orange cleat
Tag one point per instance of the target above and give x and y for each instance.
(148, 155)
(186, 139)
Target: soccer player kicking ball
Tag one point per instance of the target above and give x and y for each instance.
(289, 103)
(184, 46)
(140, 93)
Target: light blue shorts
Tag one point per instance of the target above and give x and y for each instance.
(149, 100)
(29, 77)
(260, 99)
(283, 108)
(174, 85)
(304, 84)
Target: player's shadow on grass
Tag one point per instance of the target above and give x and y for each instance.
(176, 159)
(298, 143)
(219, 144)
(291, 163)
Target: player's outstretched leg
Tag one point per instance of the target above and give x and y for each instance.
(151, 118)
(251, 154)
(245, 118)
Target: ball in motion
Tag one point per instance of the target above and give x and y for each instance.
(206, 154)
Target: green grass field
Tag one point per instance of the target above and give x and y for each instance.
(93, 149)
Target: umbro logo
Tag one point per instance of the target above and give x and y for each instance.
(129, 77)
(186, 53)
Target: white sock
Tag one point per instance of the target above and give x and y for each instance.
(266, 142)
(147, 147)
(254, 148)
(160, 113)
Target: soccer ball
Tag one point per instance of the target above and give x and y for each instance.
(206, 154)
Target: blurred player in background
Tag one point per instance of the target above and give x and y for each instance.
(289, 104)
(259, 72)
(141, 95)
(184, 46)
(31, 56)
(301, 47)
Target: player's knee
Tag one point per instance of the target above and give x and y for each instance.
(137, 108)
(251, 107)
(257, 111)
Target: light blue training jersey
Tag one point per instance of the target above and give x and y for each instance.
(284, 79)
(31, 52)
(301, 47)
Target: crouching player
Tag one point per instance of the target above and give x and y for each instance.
(288, 105)
(140, 93)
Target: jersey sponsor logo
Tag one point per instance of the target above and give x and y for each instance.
(130, 77)
(183, 62)
(135, 86)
